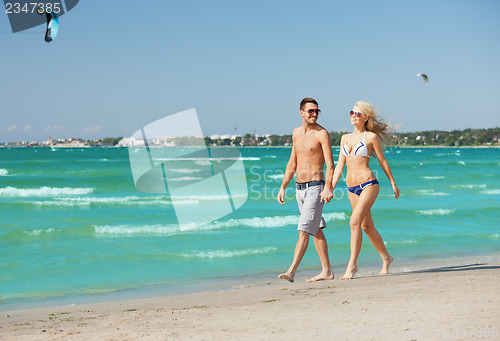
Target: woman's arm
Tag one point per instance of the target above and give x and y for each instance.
(377, 147)
(340, 164)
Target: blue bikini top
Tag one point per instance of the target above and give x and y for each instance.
(359, 151)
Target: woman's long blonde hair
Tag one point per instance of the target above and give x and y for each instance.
(375, 123)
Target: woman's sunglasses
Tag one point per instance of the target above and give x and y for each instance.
(358, 114)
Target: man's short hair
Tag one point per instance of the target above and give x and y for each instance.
(307, 100)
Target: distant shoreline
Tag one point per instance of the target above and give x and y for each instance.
(333, 146)
(430, 138)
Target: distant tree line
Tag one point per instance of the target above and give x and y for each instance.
(109, 141)
(455, 138)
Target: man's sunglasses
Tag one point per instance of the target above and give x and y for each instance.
(314, 111)
(358, 114)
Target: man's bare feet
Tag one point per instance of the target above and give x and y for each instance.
(349, 273)
(385, 266)
(322, 277)
(287, 276)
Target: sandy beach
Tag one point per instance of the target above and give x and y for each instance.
(454, 303)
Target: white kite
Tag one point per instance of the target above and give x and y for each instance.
(424, 76)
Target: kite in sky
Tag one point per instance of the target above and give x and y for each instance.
(52, 25)
(32, 15)
(424, 76)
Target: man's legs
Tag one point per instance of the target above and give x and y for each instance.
(300, 250)
(322, 249)
(311, 210)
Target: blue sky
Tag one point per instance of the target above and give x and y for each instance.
(116, 66)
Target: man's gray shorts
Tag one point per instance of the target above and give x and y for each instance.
(311, 208)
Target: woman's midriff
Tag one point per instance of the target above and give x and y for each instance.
(358, 171)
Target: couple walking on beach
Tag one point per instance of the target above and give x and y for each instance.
(311, 150)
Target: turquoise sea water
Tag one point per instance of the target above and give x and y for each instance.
(73, 222)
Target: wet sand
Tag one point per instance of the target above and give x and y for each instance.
(454, 303)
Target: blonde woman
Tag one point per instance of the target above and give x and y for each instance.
(355, 151)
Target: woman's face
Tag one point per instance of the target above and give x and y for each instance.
(357, 119)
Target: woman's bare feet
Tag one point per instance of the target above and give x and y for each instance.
(288, 276)
(323, 276)
(385, 266)
(349, 273)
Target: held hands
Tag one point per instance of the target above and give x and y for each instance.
(326, 195)
(396, 191)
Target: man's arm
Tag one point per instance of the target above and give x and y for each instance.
(326, 146)
(291, 166)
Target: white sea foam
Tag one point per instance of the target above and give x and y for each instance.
(437, 211)
(130, 230)
(128, 200)
(38, 232)
(58, 203)
(185, 178)
(433, 177)
(170, 229)
(399, 242)
(495, 236)
(335, 216)
(431, 192)
(3, 172)
(203, 162)
(471, 186)
(491, 191)
(418, 150)
(276, 221)
(156, 229)
(276, 177)
(184, 170)
(461, 163)
(457, 153)
(228, 254)
(131, 200)
(43, 191)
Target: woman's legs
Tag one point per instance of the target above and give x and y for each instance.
(360, 209)
(376, 239)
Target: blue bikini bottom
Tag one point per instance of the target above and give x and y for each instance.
(359, 188)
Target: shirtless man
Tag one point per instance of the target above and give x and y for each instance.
(310, 151)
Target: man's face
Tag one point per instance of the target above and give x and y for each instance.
(310, 113)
